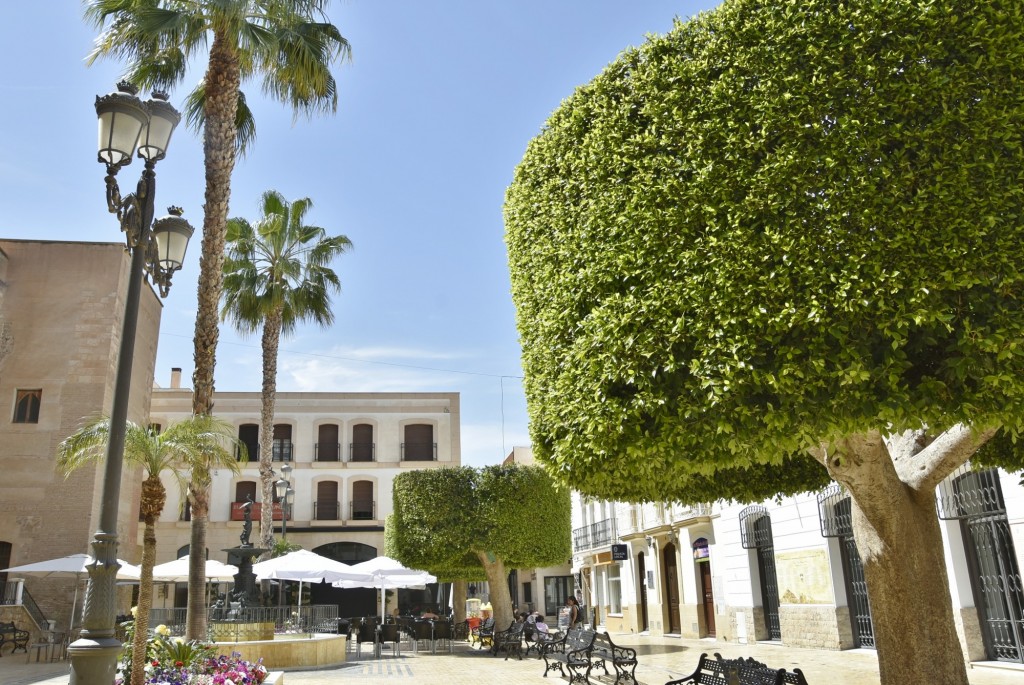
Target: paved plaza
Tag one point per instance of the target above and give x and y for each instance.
(661, 659)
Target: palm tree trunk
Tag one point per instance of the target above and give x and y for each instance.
(222, 83)
(223, 78)
(141, 635)
(271, 341)
(195, 621)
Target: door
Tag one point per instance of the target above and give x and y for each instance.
(642, 590)
(708, 595)
(766, 572)
(672, 588)
(856, 585)
(995, 576)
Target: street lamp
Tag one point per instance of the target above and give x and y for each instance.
(285, 495)
(126, 125)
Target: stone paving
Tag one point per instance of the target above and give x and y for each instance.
(661, 659)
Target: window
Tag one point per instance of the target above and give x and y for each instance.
(249, 436)
(282, 449)
(557, 589)
(245, 490)
(362, 501)
(528, 593)
(327, 445)
(361, 448)
(326, 506)
(419, 443)
(26, 406)
(614, 590)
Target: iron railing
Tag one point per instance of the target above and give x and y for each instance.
(968, 493)
(362, 451)
(282, 450)
(326, 510)
(600, 534)
(362, 510)
(316, 618)
(419, 451)
(327, 451)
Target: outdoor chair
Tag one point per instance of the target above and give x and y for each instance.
(389, 633)
(366, 633)
(442, 632)
(460, 631)
(422, 630)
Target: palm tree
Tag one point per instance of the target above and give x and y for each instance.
(289, 45)
(201, 439)
(276, 275)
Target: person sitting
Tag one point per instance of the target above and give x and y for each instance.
(539, 625)
(429, 615)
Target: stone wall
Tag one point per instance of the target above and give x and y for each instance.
(816, 626)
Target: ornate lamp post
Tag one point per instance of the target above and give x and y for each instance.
(126, 124)
(285, 495)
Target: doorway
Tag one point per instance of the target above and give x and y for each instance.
(671, 567)
(642, 590)
(707, 596)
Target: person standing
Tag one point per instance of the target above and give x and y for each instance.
(575, 616)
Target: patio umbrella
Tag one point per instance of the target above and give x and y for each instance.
(177, 571)
(305, 566)
(386, 574)
(71, 565)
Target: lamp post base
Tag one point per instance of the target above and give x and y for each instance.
(94, 662)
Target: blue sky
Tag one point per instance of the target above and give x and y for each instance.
(436, 109)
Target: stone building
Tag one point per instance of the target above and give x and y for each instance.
(344, 450)
(61, 312)
(789, 572)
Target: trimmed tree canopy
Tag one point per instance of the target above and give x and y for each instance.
(443, 518)
(779, 224)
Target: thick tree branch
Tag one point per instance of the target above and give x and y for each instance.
(939, 459)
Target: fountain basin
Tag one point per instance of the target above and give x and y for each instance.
(322, 650)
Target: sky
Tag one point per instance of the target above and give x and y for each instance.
(436, 108)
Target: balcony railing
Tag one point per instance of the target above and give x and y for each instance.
(238, 513)
(326, 511)
(362, 510)
(327, 451)
(362, 451)
(282, 450)
(419, 451)
(600, 534)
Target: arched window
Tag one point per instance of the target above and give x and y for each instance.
(419, 443)
(326, 506)
(363, 507)
(361, 448)
(249, 435)
(328, 446)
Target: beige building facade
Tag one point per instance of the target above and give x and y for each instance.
(344, 451)
(61, 314)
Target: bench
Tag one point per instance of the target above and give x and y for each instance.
(484, 631)
(536, 640)
(572, 650)
(721, 671)
(11, 633)
(509, 641)
(623, 659)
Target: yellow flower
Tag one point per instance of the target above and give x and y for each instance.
(162, 630)
(135, 610)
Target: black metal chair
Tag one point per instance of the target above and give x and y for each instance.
(366, 633)
(389, 632)
(442, 632)
(422, 630)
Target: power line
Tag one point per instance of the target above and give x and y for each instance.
(361, 361)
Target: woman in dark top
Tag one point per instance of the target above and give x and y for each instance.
(575, 618)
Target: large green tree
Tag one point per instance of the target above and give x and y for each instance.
(172, 453)
(276, 275)
(458, 522)
(289, 46)
(783, 243)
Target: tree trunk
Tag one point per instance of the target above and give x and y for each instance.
(145, 604)
(271, 341)
(222, 83)
(223, 77)
(195, 621)
(459, 601)
(900, 544)
(497, 580)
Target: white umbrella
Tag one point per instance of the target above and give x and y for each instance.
(305, 566)
(177, 571)
(72, 565)
(386, 574)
